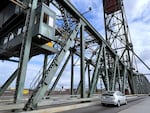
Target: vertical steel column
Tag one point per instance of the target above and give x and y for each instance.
(79, 88)
(79, 85)
(25, 52)
(45, 64)
(82, 63)
(114, 75)
(106, 70)
(96, 70)
(72, 72)
(119, 78)
(124, 79)
(97, 77)
(89, 79)
(131, 82)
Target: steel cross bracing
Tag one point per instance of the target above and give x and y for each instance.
(117, 32)
(76, 36)
(50, 72)
(118, 36)
(88, 31)
(43, 85)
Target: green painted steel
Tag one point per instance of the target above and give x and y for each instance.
(106, 63)
(78, 90)
(59, 75)
(95, 74)
(40, 90)
(89, 78)
(106, 78)
(114, 74)
(117, 33)
(124, 78)
(44, 23)
(45, 65)
(25, 52)
(72, 72)
(82, 61)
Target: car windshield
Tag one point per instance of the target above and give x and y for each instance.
(108, 94)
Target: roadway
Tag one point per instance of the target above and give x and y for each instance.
(139, 105)
(73, 105)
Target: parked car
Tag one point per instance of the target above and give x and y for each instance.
(113, 97)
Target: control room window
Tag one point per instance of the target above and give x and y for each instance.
(48, 20)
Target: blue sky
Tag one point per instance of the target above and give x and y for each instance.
(137, 12)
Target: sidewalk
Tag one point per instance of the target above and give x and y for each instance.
(142, 107)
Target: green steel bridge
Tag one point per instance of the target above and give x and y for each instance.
(30, 27)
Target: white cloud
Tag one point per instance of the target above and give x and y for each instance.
(141, 7)
(137, 8)
(139, 20)
(138, 17)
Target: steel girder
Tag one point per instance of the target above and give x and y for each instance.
(98, 39)
(82, 61)
(122, 63)
(25, 52)
(95, 74)
(72, 71)
(41, 88)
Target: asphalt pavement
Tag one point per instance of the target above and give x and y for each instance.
(98, 108)
(142, 107)
(136, 104)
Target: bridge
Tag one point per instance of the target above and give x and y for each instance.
(58, 31)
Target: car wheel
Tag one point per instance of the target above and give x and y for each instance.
(103, 104)
(118, 104)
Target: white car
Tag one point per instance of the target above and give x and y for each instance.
(113, 97)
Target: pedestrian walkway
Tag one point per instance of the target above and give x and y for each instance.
(142, 107)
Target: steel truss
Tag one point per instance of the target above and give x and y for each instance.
(75, 37)
(118, 36)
